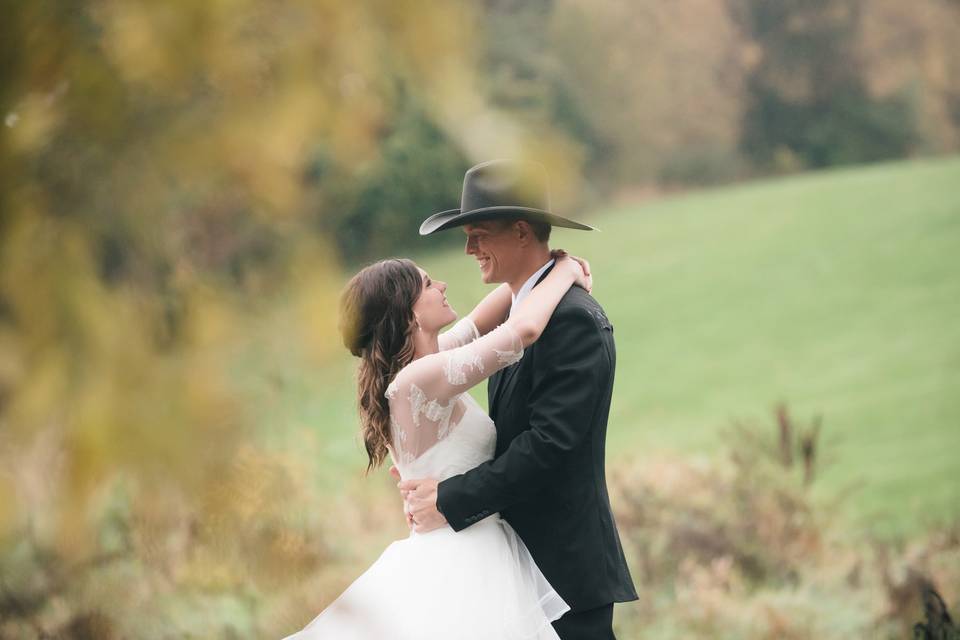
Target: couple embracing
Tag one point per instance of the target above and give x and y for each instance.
(512, 536)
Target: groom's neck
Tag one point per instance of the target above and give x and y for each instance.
(530, 261)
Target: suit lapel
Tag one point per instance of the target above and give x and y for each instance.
(502, 385)
(544, 274)
(493, 392)
(506, 377)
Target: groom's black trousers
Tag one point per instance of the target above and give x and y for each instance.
(593, 624)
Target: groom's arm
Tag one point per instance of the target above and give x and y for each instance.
(572, 371)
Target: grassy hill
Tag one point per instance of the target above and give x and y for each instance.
(837, 293)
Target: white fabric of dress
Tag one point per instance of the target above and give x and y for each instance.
(477, 584)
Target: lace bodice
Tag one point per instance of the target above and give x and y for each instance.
(437, 429)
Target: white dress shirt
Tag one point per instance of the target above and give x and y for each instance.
(528, 286)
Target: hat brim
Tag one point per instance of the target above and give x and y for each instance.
(456, 218)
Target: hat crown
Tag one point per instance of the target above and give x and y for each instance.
(505, 183)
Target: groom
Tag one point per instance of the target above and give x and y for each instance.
(550, 410)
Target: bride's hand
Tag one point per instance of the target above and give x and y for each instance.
(579, 266)
(403, 494)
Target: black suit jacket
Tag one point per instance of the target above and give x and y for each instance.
(547, 477)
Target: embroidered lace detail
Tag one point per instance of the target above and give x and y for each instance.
(394, 428)
(432, 410)
(457, 362)
(508, 357)
(427, 395)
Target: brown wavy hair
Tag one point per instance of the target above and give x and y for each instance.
(377, 325)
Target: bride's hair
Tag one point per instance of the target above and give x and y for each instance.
(377, 325)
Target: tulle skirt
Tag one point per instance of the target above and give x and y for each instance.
(478, 584)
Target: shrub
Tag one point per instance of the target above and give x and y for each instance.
(738, 548)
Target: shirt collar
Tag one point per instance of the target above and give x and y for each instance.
(528, 285)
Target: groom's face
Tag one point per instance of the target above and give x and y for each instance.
(496, 247)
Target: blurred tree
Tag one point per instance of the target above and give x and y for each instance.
(808, 96)
(525, 74)
(376, 210)
(167, 175)
(660, 86)
(440, 120)
(912, 47)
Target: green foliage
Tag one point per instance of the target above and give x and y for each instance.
(377, 211)
(157, 235)
(702, 165)
(848, 127)
(808, 95)
(743, 550)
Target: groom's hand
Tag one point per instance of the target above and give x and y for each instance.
(422, 504)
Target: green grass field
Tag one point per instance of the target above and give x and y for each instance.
(836, 292)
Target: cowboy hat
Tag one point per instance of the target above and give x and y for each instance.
(501, 189)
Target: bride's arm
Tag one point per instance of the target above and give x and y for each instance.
(492, 310)
(427, 385)
(532, 315)
(484, 318)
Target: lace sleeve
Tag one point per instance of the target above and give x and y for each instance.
(464, 332)
(423, 396)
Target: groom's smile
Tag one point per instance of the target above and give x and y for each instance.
(490, 244)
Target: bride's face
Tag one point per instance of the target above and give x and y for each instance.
(431, 308)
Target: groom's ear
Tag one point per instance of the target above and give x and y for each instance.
(530, 233)
(523, 232)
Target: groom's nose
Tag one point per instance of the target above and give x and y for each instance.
(471, 246)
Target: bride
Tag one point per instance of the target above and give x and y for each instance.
(479, 583)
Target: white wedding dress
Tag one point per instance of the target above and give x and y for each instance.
(476, 584)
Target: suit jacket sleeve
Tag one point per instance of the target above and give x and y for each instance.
(572, 365)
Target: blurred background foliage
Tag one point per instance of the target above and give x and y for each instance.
(182, 184)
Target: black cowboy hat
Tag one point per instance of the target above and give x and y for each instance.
(501, 189)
